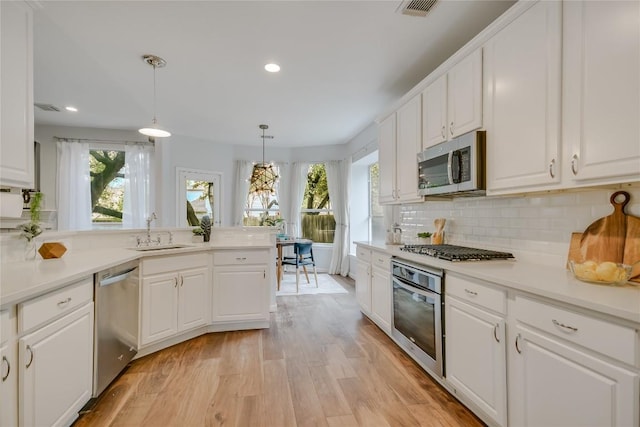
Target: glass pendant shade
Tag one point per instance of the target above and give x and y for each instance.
(263, 178)
(154, 130)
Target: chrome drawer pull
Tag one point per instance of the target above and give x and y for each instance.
(563, 326)
(471, 292)
(241, 259)
(551, 167)
(31, 358)
(517, 346)
(495, 334)
(4, 360)
(574, 164)
(442, 131)
(67, 301)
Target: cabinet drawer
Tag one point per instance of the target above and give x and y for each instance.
(363, 254)
(381, 260)
(164, 264)
(241, 257)
(42, 309)
(617, 341)
(477, 293)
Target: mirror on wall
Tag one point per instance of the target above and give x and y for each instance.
(198, 194)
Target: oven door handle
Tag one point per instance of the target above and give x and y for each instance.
(450, 167)
(424, 292)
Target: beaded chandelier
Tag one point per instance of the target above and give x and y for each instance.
(263, 177)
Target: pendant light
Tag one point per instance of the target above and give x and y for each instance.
(154, 131)
(264, 176)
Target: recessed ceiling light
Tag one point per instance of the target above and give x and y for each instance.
(272, 68)
(72, 109)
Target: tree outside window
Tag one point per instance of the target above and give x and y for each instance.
(318, 222)
(262, 209)
(376, 213)
(107, 185)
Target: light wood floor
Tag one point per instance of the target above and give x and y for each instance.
(322, 363)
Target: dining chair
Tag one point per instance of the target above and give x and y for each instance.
(303, 256)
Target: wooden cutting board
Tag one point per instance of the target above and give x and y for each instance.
(615, 238)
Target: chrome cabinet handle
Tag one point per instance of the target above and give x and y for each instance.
(563, 326)
(451, 128)
(552, 163)
(475, 294)
(31, 356)
(495, 332)
(64, 302)
(181, 280)
(175, 280)
(241, 258)
(517, 345)
(443, 131)
(574, 164)
(5, 360)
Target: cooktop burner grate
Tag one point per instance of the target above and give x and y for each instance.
(456, 253)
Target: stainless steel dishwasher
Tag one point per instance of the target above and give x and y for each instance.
(116, 322)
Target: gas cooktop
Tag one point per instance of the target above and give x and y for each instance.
(456, 253)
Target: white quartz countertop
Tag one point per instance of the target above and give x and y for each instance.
(20, 281)
(546, 281)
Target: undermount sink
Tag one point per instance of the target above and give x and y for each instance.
(161, 247)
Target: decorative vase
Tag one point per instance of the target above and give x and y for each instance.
(29, 250)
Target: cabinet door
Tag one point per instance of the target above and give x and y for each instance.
(240, 293)
(408, 145)
(16, 86)
(56, 370)
(387, 159)
(601, 90)
(381, 299)
(363, 285)
(482, 378)
(522, 111)
(159, 307)
(434, 113)
(555, 384)
(193, 297)
(464, 95)
(8, 385)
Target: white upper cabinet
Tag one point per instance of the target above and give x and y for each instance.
(399, 142)
(601, 91)
(16, 100)
(464, 95)
(452, 104)
(522, 104)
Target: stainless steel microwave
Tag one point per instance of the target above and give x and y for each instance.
(455, 167)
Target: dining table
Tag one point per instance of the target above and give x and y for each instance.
(282, 242)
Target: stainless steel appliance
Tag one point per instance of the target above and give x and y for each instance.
(455, 167)
(116, 322)
(456, 253)
(417, 312)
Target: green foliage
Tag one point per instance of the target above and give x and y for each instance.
(32, 229)
(197, 231)
(424, 235)
(319, 228)
(316, 194)
(35, 207)
(107, 197)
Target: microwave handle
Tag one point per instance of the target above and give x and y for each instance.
(456, 166)
(450, 167)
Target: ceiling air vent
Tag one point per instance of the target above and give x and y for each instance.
(47, 107)
(416, 7)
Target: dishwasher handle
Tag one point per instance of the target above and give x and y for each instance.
(118, 277)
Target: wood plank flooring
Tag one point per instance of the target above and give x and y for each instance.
(321, 363)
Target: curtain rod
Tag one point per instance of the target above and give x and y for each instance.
(103, 141)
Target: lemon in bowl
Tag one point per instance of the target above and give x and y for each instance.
(606, 273)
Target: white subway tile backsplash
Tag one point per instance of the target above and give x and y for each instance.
(541, 223)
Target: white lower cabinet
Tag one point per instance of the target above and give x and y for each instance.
(475, 346)
(381, 291)
(8, 371)
(56, 370)
(363, 279)
(175, 296)
(241, 286)
(554, 382)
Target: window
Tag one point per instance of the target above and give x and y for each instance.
(262, 209)
(107, 185)
(376, 213)
(198, 195)
(317, 221)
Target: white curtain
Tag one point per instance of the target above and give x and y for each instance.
(243, 173)
(284, 193)
(338, 178)
(138, 163)
(299, 172)
(74, 186)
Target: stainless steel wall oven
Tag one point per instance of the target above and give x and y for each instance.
(417, 312)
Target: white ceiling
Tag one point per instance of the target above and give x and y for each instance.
(343, 62)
